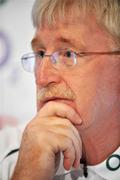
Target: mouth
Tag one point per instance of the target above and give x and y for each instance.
(55, 99)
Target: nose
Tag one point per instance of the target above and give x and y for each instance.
(46, 73)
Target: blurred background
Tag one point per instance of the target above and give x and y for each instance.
(17, 87)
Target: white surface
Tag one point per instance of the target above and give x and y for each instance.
(17, 88)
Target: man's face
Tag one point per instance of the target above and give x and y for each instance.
(92, 86)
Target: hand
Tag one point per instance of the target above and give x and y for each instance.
(52, 131)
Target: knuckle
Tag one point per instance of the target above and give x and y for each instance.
(67, 123)
(69, 143)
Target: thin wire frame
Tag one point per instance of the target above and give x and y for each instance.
(28, 60)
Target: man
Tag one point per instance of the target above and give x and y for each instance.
(76, 61)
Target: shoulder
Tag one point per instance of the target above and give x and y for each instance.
(10, 138)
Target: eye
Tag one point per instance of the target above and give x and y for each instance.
(41, 53)
(68, 53)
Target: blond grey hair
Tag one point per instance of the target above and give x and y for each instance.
(106, 11)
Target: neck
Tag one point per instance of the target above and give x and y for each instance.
(97, 149)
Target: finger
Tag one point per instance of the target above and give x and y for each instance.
(78, 147)
(69, 157)
(63, 122)
(70, 132)
(61, 110)
(77, 152)
(65, 145)
(68, 150)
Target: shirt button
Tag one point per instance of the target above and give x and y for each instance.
(113, 162)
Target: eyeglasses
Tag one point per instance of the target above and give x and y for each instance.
(59, 59)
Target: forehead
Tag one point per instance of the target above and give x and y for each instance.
(71, 31)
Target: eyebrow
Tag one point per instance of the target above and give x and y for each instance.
(35, 43)
(71, 42)
(64, 40)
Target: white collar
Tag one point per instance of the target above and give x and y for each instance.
(110, 168)
(100, 169)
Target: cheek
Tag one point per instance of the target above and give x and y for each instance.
(84, 85)
(95, 91)
(86, 99)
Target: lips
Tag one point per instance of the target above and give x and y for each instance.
(55, 99)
